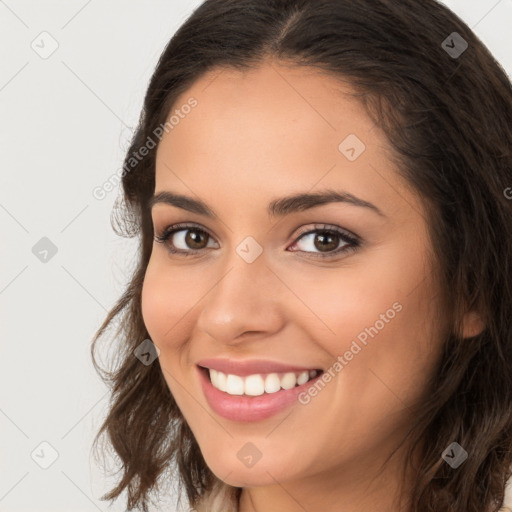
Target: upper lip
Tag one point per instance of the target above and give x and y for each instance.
(243, 368)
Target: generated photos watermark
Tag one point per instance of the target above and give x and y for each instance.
(101, 191)
(355, 348)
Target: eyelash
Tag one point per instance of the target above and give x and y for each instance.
(352, 240)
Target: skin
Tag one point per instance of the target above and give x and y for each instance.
(253, 137)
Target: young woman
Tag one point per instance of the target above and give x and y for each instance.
(320, 316)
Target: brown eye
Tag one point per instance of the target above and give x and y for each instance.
(323, 242)
(194, 239)
(326, 241)
(184, 239)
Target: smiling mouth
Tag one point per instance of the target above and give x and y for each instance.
(258, 384)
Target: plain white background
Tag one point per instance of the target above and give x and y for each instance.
(67, 121)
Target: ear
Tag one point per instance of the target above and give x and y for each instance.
(472, 324)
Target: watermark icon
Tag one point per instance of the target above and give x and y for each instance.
(44, 45)
(355, 347)
(100, 192)
(44, 250)
(454, 45)
(248, 249)
(146, 352)
(249, 454)
(351, 147)
(454, 455)
(44, 455)
(508, 193)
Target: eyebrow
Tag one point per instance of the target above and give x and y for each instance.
(276, 208)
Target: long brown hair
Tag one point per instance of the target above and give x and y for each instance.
(445, 105)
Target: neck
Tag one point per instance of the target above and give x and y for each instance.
(353, 488)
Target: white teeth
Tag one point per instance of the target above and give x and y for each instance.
(272, 383)
(288, 381)
(221, 381)
(218, 379)
(303, 378)
(255, 385)
(234, 385)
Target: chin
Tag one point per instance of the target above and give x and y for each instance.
(233, 471)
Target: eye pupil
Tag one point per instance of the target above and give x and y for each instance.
(326, 241)
(192, 238)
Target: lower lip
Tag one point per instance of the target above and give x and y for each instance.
(249, 408)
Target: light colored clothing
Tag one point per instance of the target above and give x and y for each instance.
(507, 502)
(221, 499)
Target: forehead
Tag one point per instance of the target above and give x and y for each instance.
(274, 104)
(272, 129)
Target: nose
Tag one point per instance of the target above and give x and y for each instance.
(246, 299)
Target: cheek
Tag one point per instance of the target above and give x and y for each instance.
(168, 298)
(155, 303)
(380, 317)
(166, 304)
(343, 304)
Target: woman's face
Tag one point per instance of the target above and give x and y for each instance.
(341, 286)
